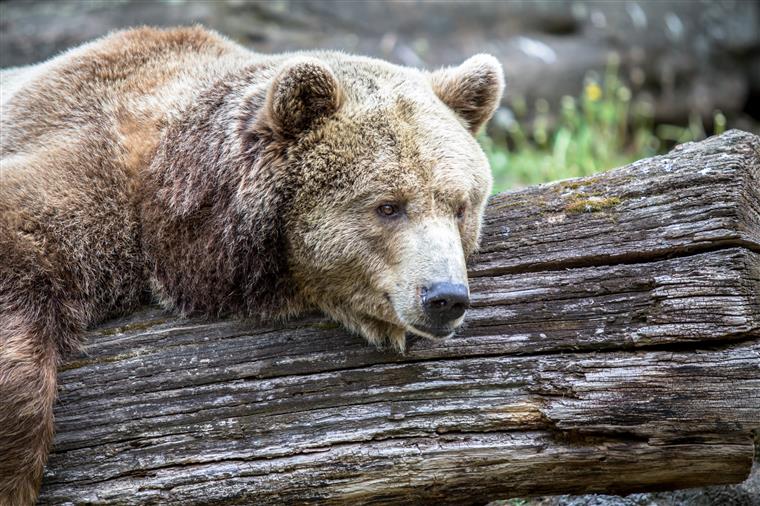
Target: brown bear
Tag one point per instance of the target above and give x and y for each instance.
(177, 165)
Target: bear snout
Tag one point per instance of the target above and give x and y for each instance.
(445, 302)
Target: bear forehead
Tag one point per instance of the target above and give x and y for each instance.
(400, 147)
(404, 120)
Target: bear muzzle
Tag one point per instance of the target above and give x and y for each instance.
(443, 306)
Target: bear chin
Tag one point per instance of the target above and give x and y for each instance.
(386, 334)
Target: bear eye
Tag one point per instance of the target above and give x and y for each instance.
(388, 210)
(460, 212)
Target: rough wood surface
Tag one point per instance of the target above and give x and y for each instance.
(701, 196)
(613, 346)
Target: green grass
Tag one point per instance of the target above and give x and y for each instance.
(604, 127)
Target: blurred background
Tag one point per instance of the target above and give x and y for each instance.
(591, 85)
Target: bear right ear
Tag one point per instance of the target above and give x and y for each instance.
(305, 90)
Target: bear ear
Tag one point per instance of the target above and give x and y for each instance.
(304, 91)
(472, 90)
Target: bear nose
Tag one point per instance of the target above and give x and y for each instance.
(444, 302)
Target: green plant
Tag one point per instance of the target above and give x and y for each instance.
(604, 127)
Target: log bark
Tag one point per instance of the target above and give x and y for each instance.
(613, 346)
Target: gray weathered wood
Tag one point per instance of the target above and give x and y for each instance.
(700, 196)
(613, 345)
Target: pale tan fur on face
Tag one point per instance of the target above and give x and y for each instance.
(396, 143)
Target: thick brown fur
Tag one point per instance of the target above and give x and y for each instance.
(176, 165)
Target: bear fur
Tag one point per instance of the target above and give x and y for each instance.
(177, 166)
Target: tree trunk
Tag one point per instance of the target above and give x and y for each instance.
(613, 346)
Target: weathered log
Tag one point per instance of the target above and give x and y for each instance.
(613, 346)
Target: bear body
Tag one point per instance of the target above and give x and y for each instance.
(177, 166)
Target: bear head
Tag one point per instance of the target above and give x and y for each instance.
(389, 187)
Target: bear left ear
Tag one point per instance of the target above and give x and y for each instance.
(304, 91)
(473, 89)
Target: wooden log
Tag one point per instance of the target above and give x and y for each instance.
(613, 346)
